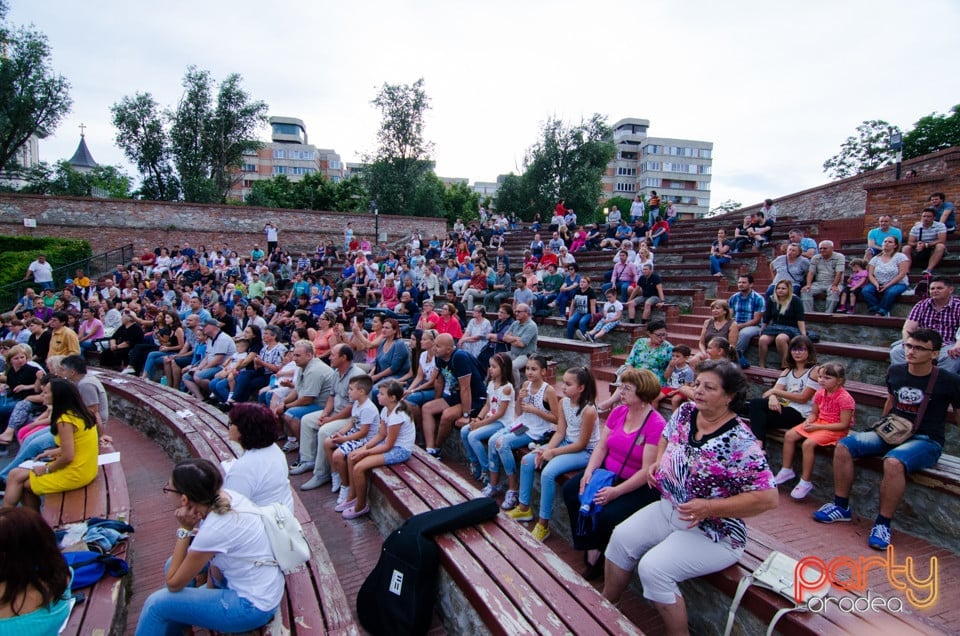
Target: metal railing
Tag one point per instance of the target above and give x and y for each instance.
(97, 266)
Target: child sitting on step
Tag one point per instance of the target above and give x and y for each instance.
(364, 425)
(829, 422)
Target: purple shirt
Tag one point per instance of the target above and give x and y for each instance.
(945, 321)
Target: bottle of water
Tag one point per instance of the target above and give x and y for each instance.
(163, 380)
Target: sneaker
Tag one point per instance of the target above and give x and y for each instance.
(521, 515)
(434, 453)
(340, 507)
(290, 446)
(475, 470)
(785, 475)
(490, 490)
(879, 537)
(314, 482)
(511, 500)
(484, 477)
(591, 338)
(541, 532)
(832, 513)
(342, 496)
(301, 467)
(335, 482)
(802, 489)
(744, 363)
(842, 309)
(353, 513)
(129, 371)
(579, 335)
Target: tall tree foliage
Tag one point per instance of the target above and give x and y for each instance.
(203, 137)
(400, 166)
(567, 162)
(868, 150)
(932, 133)
(143, 138)
(34, 99)
(313, 192)
(62, 180)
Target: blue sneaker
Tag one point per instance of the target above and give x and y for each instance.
(832, 513)
(879, 537)
(744, 364)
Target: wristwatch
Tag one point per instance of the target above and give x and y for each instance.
(466, 415)
(183, 533)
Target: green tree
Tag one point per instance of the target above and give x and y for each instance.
(567, 162)
(397, 171)
(931, 133)
(33, 98)
(203, 136)
(143, 138)
(460, 202)
(623, 204)
(868, 150)
(724, 208)
(62, 180)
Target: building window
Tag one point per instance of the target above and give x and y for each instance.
(703, 185)
(247, 183)
(249, 167)
(651, 182)
(652, 149)
(626, 172)
(335, 178)
(300, 170)
(703, 169)
(279, 170)
(630, 156)
(653, 165)
(626, 187)
(334, 164)
(279, 154)
(705, 153)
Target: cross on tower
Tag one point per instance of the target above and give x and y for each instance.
(82, 126)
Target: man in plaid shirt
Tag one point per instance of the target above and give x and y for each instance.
(940, 312)
(747, 306)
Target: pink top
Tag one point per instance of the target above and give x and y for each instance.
(830, 404)
(92, 327)
(619, 442)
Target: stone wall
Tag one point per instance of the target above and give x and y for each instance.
(111, 223)
(875, 192)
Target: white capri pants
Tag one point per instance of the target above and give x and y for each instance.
(666, 550)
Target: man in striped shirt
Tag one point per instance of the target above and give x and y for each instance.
(747, 306)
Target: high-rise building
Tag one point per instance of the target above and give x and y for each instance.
(289, 153)
(677, 169)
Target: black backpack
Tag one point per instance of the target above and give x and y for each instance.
(398, 596)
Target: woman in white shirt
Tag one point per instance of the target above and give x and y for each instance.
(221, 529)
(260, 474)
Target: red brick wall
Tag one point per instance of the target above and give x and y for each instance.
(111, 223)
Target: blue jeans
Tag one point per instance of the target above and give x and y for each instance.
(249, 382)
(474, 442)
(577, 321)
(915, 454)
(716, 262)
(221, 388)
(623, 288)
(882, 305)
(419, 398)
(169, 613)
(30, 448)
(503, 456)
(548, 476)
(154, 359)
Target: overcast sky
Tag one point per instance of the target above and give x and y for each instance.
(776, 86)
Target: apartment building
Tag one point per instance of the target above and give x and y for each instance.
(289, 153)
(678, 169)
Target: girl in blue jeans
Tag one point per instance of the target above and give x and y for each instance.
(230, 550)
(497, 414)
(536, 411)
(569, 449)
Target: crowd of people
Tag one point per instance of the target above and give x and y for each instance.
(277, 340)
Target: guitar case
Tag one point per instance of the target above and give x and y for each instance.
(399, 595)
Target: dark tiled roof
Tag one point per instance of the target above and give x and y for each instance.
(82, 157)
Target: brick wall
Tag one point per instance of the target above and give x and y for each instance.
(111, 223)
(876, 192)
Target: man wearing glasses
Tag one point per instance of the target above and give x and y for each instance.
(906, 386)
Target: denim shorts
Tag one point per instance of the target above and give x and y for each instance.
(915, 454)
(396, 455)
(420, 397)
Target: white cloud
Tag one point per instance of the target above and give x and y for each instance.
(777, 87)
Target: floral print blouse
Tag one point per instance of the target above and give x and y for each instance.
(720, 465)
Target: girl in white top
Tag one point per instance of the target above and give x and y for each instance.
(392, 445)
(260, 474)
(568, 450)
(245, 583)
(496, 414)
(421, 387)
(536, 410)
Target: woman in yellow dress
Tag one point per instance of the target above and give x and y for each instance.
(73, 464)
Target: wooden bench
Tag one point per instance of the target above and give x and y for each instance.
(513, 583)
(314, 601)
(104, 609)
